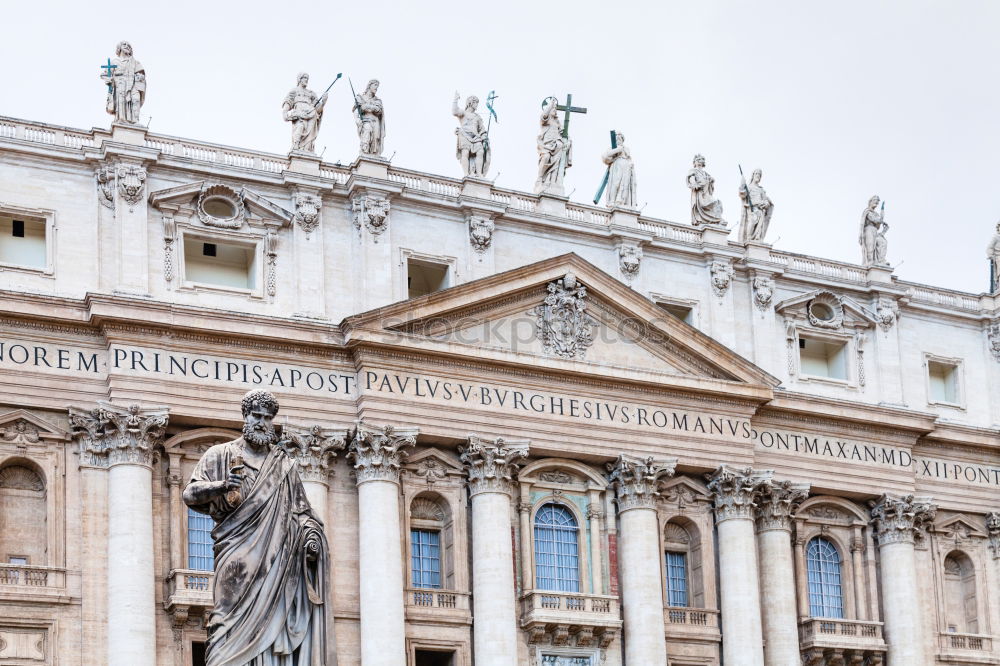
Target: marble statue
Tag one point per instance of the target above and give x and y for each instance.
(757, 208)
(472, 148)
(621, 174)
(271, 556)
(126, 81)
(993, 253)
(304, 110)
(370, 119)
(705, 208)
(555, 152)
(872, 234)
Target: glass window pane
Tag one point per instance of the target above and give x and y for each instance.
(201, 556)
(557, 560)
(425, 558)
(826, 597)
(677, 588)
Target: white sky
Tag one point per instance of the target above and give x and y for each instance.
(835, 101)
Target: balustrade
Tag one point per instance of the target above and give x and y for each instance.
(950, 642)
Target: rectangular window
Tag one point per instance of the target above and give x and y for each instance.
(22, 241)
(677, 587)
(433, 658)
(560, 660)
(683, 312)
(425, 549)
(200, 544)
(943, 382)
(15, 559)
(823, 358)
(220, 264)
(425, 277)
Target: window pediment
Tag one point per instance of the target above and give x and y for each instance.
(221, 206)
(824, 310)
(24, 429)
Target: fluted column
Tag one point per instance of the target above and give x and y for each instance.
(742, 635)
(491, 466)
(896, 521)
(124, 441)
(776, 503)
(635, 481)
(377, 453)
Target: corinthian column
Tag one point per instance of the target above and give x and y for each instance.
(491, 465)
(896, 521)
(733, 491)
(776, 503)
(124, 440)
(377, 453)
(315, 450)
(635, 481)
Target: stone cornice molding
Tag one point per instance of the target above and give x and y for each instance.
(733, 491)
(112, 435)
(993, 529)
(492, 464)
(314, 448)
(776, 502)
(636, 480)
(899, 519)
(377, 451)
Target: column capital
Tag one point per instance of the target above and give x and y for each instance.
(733, 490)
(898, 519)
(314, 448)
(636, 480)
(993, 529)
(377, 451)
(776, 502)
(492, 464)
(112, 435)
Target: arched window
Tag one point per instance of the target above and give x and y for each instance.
(431, 555)
(961, 612)
(826, 596)
(677, 542)
(557, 557)
(23, 516)
(201, 557)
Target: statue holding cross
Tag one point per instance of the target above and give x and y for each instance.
(555, 149)
(126, 81)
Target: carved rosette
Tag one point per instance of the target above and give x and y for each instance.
(111, 435)
(899, 519)
(993, 529)
(481, 230)
(722, 276)
(131, 183)
(777, 502)
(307, 208)
(372, 213)
(562, 323)
(636, 480)
(492, 464)
(733, 491)
(314, 449)
(377, 452)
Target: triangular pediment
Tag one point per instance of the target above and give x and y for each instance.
(820, 308)
(248, 205)
(24, 428)
(960, 527)
(535, 315)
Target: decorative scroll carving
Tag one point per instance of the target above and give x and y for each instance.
(629, 259)
(993, 339)
(859, 343)
(722, 276)
(993, 529)
(556, 477)
(776, 503)
(899, 519)
(426, 509)
(562, 322)
(431, 470)
(271, 263)
(886, 313)
(314, 449)
(734, 489)
(377, 452)
(131, 182)
(105, 176)
(307, 208)
(763, 292)
(20, 433)
(372, 213)
(169, 236)
(636, 480)
(111, 435)
(825, 310)
(492, 464)
(791, 338)
(221, 206)
(481, 230)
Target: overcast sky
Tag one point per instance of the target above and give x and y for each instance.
(834, 101)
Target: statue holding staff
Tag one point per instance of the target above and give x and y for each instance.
(555, 151)
(370, 119)
(621, 174)
(705, 208)
(472, 146)
(757, 208)
(126, 81)
(304, 109)
(993, 254)
(872, 234)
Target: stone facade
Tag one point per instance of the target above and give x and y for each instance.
(467, 361)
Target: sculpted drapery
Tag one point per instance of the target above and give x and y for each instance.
(304, 109)
(757, 208)
(555, 152)
(705, 208)
(126, 86)
(472, 147)
(370, 119)
(621, 174)
(872, 235)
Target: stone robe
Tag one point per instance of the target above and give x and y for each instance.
(303, 109)
(705, 208)
(128, 90)
(872, 238)
(371, 124)
(471, 136)
(555, 154)
(269, 599)
(621, 177)
(754, 223)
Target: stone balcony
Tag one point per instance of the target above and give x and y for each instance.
(189, 592)
(832, 642)
(966, 648)
(691, 625)
(558, 617)
(33, 583)
(429, 605)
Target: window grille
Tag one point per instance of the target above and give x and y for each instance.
(200, 545)
(425, 558)
(677, 588)
(557, 560)
(826, 597)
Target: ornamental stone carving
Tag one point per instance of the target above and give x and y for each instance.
(705, 207)
(900, 519)
(733, 491)
(777, 502)
(20, 433)
(993, 529)
(722, 275)
(886, 313)
(378, 452)
(125, 78)
(562, 322)
(993, 339)
(629, 259)
(131, 183)
(825, 310)
(110, 435)
(307, 208)
(763, 292)
(636, 480)
(221, 206)
(314, 449)
(372, 213)
(105, 177)
(481, 230)
(871, 236)
(492, 464)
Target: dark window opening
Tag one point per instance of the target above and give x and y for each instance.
(208, 249)
(197, 654)
(17, 228)
(433, 658)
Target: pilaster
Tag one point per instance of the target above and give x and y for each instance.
(310, 256)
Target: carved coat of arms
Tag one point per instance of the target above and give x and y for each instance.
(563, 325)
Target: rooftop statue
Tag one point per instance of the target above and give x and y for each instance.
(126, 81)
(370, 120)
(271, 556)
(621, 174)
(757, 208)
(304, 109)
(993, 253)
(705, 208)
(472, 148)
(872, 234)
(555, 151)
